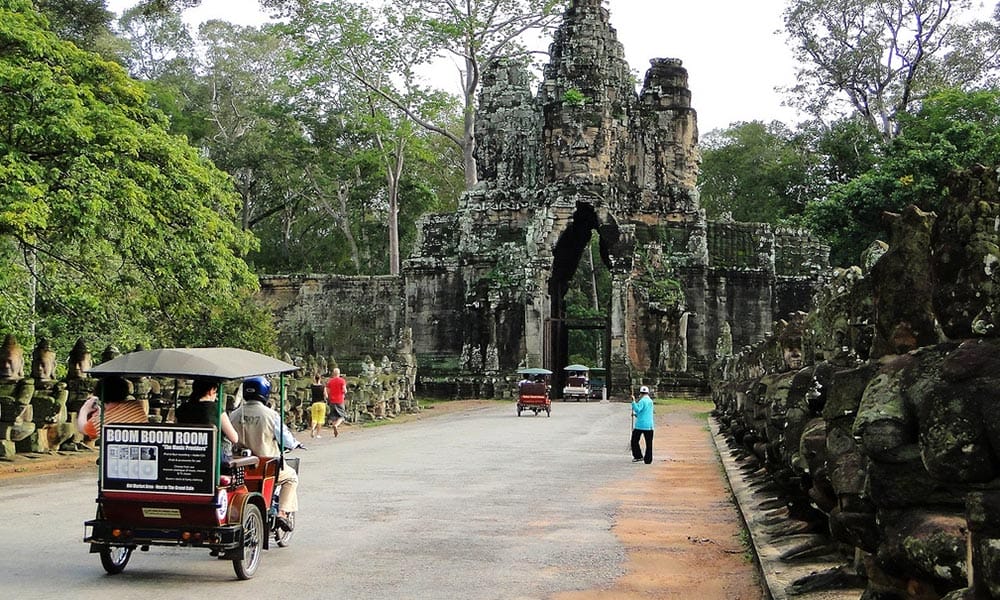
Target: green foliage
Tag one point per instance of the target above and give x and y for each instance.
(83, 22)
(953, 129)
(574, 97)
(118, 230)
(158, 43)
(845, 149)
(756, 172)
(654, 280)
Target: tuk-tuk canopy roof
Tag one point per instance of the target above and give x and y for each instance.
(191, 363)
(534, 371)
(577, 368)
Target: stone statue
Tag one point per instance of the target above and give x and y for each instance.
(48, 403)
(110, 352)
(368, 369)
(43, 361)
(78, 388)
(12, 363)
(16, 421)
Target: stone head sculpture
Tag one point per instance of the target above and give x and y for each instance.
(110, 352)
(11, 359)
(790, 340)
(79, 361)
(43, 361)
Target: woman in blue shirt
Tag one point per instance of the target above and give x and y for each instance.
(642, 409)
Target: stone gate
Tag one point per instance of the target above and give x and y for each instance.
(484, 291)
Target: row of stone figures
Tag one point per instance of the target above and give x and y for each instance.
(875, 418)
(38, 411)
(379, 391)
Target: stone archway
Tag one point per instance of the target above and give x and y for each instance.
(567, 254)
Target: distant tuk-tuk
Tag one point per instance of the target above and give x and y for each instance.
(598, 383)
(577, 383)
(168, 484)
(533, 391)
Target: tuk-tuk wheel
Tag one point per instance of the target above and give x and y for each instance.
(253, 543)
(114, 558)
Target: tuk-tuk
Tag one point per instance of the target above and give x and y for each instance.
(533, 391)
(169, 485)
(577, 383)
(598, 383)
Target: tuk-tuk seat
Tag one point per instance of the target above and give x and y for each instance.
(235, 462)
(233, 469)
(534, 389)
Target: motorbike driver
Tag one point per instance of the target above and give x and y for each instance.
(259, 429)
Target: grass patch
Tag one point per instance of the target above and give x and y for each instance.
(685, 403)
(747, 545)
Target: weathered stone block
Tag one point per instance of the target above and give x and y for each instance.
(906, 483)
(15, 432)
(924, 545)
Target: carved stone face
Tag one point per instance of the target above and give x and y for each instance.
(792, 354)
(11, 360)
(43, 365)
(79, 364)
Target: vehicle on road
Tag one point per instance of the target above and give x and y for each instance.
(171, 485)
(598, 384)
(577, 383)
(533, 391)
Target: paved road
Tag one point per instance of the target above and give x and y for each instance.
(472, 505)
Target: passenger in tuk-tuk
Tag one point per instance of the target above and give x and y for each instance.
(202, 407)
(120, 406)
(259, 427)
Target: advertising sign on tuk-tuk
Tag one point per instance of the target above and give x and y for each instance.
(159, 459)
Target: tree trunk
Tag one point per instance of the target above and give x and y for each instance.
(469, 130)
(393, 178)
(343, 191)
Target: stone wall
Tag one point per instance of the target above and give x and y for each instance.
(336, 316)
(874, 419)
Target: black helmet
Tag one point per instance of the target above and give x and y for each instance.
(256, 388)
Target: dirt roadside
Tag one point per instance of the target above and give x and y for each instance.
(680, 529)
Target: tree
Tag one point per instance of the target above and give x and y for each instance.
(845, 149)
(347, 67)
(159, 43)
(884, 57)
(408, 34)
(117, 229)
(757, 172)
(953, 129)
(82, 22)
(474, 33)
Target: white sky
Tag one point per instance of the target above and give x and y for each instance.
(733, 56)
(730, 48)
